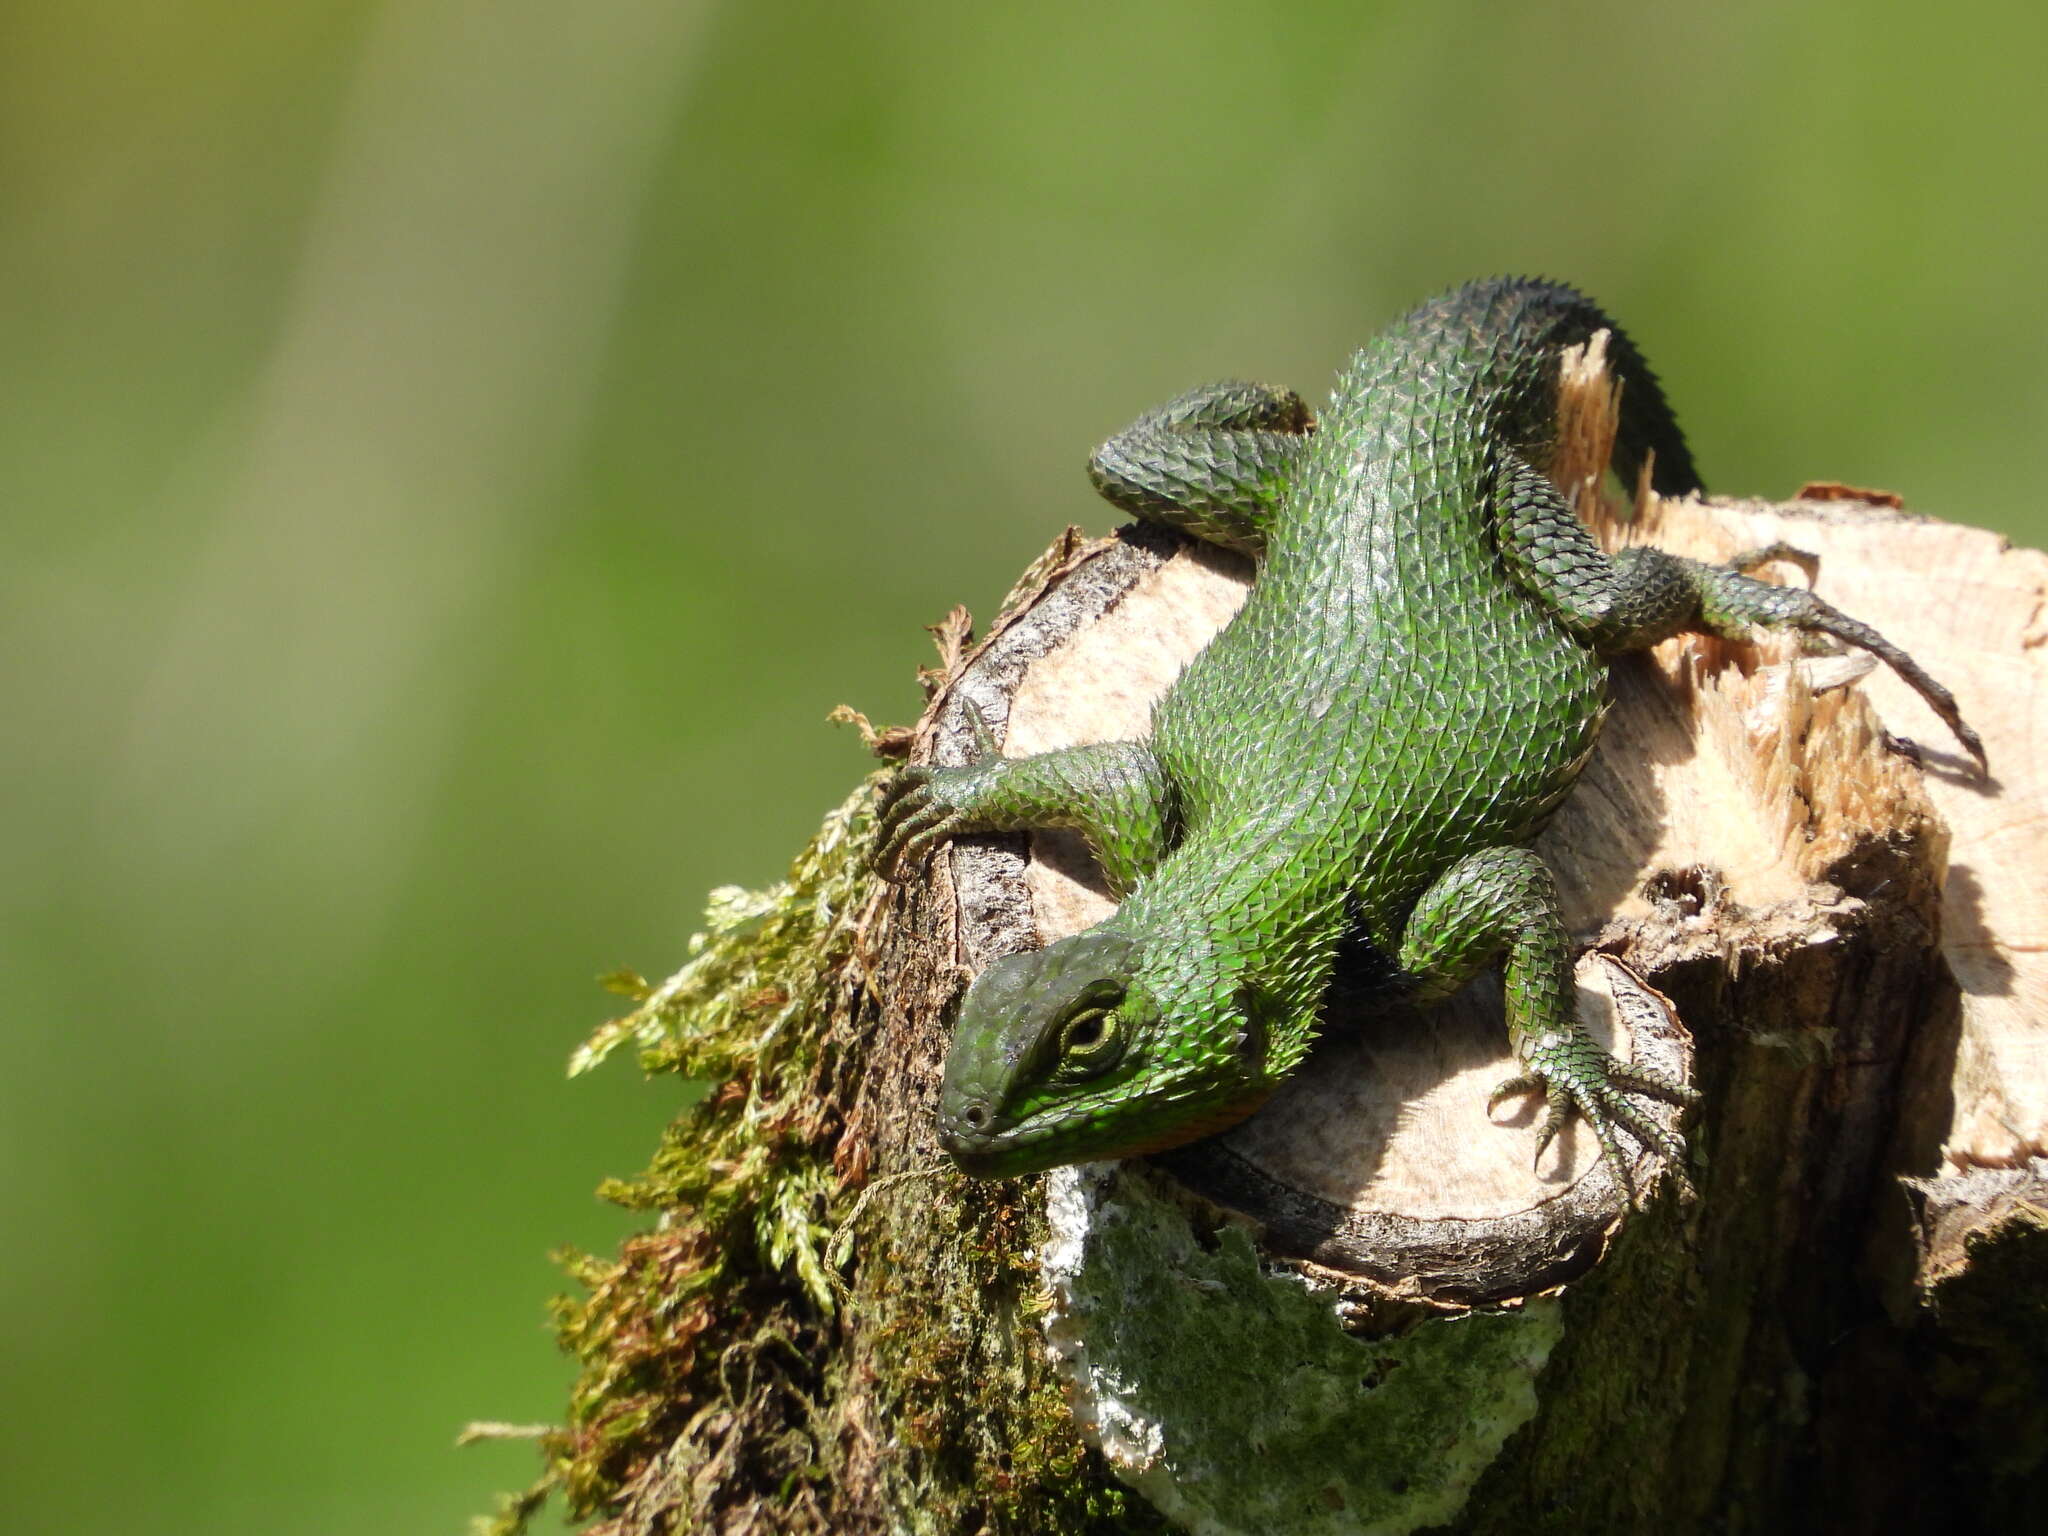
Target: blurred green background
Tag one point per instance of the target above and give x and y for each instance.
(454, 453)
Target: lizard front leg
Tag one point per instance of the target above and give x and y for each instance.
(1501, 904)
(1213, 463)
(1113, 793)
(1634, 599)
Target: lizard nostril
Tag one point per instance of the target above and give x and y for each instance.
(974, 1117)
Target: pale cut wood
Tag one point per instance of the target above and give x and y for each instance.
(1976, 610)
(1385, 1124)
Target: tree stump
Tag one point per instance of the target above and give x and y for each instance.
(1363, 1310)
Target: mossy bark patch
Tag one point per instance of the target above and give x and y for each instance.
(824, 1327)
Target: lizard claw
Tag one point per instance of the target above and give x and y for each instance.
(1575, 1074)
(912, 817)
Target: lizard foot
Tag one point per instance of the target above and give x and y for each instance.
(916, 813)
(924, 805)
(1574, 1073)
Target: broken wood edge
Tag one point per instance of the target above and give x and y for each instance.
(1956, 1215)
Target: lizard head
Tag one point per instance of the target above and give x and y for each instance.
(1079, 1051)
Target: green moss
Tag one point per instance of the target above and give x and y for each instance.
(720, 1349)
(701, 1337)
(787, 1313)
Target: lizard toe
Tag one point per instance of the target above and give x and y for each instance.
(1648, 1081)
(1523, 1082)
(1554, 1118)
(935, 828)
(1577, 1077)
(905, 783)
(905, 841)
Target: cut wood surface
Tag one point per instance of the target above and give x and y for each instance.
(1374, 1158)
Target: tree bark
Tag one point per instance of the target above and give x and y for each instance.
(1362, 1310)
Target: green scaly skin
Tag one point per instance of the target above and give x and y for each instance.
(1362, 754)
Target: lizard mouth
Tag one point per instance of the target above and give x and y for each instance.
(971, 1136)
(987, 1157)
(982, 1153)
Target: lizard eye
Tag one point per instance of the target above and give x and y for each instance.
(1090, 1041)
(1085, 1031)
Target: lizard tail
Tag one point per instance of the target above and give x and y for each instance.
(1527, 321)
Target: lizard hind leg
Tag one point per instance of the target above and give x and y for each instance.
(1213, 463)
(1632, 600)
(1500, 904)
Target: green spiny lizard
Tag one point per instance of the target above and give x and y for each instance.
(1361, 756)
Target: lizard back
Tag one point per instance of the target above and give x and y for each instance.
(1389, 699)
